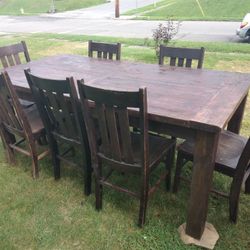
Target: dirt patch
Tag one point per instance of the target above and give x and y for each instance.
(65, 48)
(234, 66)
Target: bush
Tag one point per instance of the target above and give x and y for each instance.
(164, 34)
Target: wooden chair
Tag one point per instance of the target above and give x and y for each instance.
(16, 122)
(10, 55)
(121, 149)
(60, 111)
(232, 159)
(182, 57)
(105, 50)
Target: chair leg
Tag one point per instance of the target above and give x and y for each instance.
(179, 165)
(143, 203)
(35, 169)
(87, 175)
(168, 164)
(233, 210)
(234, 197)
(34, 157)
(54, 154)
(247, 182)
(247, 185)
(8, 139)
(98, 187)
(42, 140)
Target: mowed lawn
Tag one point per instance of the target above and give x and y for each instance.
(228, 10)
(33, 7)
(48, 214)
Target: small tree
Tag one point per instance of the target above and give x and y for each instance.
(164, 34)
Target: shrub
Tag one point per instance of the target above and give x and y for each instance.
(164, 34)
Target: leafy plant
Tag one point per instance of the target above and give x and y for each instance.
(164, 34)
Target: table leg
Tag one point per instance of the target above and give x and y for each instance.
(234, 124)
(204, 157)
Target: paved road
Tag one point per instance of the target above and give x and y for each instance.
(99, 20)
(192, 31)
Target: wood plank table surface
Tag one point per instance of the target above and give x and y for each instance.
(183, 102)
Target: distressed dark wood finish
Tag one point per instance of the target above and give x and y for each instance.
(15, 121)
(247, 182)
(10, 55)
(181, 101)
(182, 57)
(234, 124)
(105, 50)
(60, 112)
(204, 155)
(122, 150)
(232, 159)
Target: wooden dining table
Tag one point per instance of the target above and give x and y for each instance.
(182, 102)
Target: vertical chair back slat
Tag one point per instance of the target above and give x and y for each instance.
(180, 62)
(172, 61)
(4, 62)
(58, 113)
(103, 129)
(105, 55)
(125, 135)
(189, 63)
(185, 56)
(17, 59)
(113, 133)
(105, 50)
(10, 60)
(67, 108)
(99, 54)
(10, 55)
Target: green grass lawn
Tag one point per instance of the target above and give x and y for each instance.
(194, 10)
(48, 214)
(33, 7)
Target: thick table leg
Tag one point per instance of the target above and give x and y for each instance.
(234, 124)
(204, 157)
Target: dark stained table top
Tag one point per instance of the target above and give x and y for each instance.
(201, 99)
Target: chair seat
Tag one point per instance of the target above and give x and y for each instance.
(158, 147)
(229, 150)
(34, 120)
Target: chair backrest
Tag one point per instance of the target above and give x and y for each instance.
(10, 55)
(12, 114)
(182, 57)
(110, 117)
(58, 108)
(105, 50)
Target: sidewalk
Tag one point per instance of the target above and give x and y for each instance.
(103, 11)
